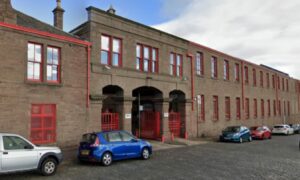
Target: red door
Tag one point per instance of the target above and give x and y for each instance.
(110, 121)
(174, 123)
(150, 125)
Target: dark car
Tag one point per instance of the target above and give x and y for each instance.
(106, 147)
(296, 128)
(236, 134)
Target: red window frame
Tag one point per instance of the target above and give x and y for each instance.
(238, 108)
(288, 108)
(52, 64)
(246, 74)
(35, 62)
(269, 108)
(110, 52)
(226, 70)
(247, 108)
(214, 67)
(268, 80)
(254, 76)
(273, 81)
(261, 75)
(227, 108)
(237, 72)
(274, 108)
(279, 108)
(174, 67)
(283, 87)
(199, 64)
(43, 123)
(153, 62)
(278, 82)
(287, 85)
(255, 108)
(262, 107)
(215, 108)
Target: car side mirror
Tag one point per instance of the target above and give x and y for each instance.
(28, 147)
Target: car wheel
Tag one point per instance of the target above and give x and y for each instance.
(49, 167)
(250, 139)
(241, 140)
(145, 154)
(107, 159)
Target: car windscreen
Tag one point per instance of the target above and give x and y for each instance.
(259, 129)
(232, 129)
(89, 138)
(278, 126)
(253, 128)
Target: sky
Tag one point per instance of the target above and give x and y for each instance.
(260, 31)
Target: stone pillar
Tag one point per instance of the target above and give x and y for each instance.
(127, 115)
(94, 117)
(190, 120)
(165, 120)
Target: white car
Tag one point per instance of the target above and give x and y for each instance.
(19, 154)
(282, 129)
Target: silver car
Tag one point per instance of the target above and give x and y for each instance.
(19, 154)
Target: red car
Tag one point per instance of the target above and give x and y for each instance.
(261, 132)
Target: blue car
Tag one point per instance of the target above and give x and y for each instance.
(106, 147)
(236, 134)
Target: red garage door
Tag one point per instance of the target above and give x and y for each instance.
(110, 121)
(150, 125)
(174, 123)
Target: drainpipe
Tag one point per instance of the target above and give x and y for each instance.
(243, 93)
(192, 80)
(88, 76)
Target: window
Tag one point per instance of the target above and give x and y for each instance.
(274, 107)
(268, 80)
(238, 108)
(201, 107)
(227, 108)
(255, 108)
(126, 137)
(114, 137)
(254, 77)
(226, 70)
(278, 82)
(288, 108)
(283, 84)
(261, 75)
(146, 58)
(246, 75)
(34, 62)
(14, 143)
(237, 72)
(273, 81)
(287, 85)
(269, 107)
(279, 108)
(214, 67)
(199, 64)
(262, 106)
(53, 64)
(284, 108)
(111, 51)
(43, 124)
(247, 110)
(215, 108)
(176, 64)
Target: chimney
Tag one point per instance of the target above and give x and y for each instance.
(111, 10)
(58, 15)
(7, 13)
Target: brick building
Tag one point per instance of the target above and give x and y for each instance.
(133, 77)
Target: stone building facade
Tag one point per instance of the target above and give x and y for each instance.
(114, 73)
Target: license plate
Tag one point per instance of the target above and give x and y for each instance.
(85, 152)
(227, 138)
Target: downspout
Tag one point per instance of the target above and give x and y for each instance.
(192, 80)
(88, 76)
(243, 93)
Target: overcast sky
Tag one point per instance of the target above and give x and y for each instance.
(261, 31)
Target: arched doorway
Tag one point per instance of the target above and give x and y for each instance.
(112, 107)
(177, 113)
(146, 112)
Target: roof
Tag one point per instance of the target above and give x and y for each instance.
(30, 22)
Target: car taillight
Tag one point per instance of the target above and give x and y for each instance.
(96, 143)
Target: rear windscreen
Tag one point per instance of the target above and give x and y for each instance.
(89, 138)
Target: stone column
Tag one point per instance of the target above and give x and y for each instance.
(127, 114)
(190, 120)
(165, 119)
(94, 117)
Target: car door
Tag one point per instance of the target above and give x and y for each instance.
(132, 148)
(116, 145)
(18, 154)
